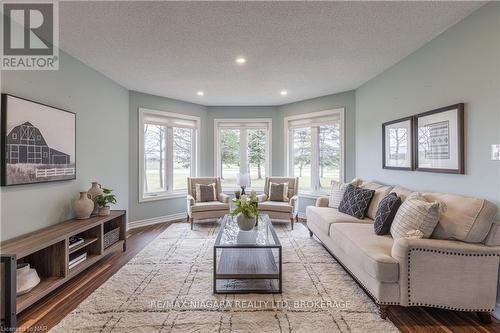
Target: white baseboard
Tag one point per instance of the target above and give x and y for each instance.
(155, 220)
(496, 313)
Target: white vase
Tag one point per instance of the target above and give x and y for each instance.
(94, 191)
(83, 207)
(245, 223)
(26, 279)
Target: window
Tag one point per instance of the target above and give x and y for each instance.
(315, 150)
(243, 146)
(168, 150)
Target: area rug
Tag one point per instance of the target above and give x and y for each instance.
(167, 287)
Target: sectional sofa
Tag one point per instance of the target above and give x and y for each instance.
(457, 268)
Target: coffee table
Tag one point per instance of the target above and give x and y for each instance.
(247, 261)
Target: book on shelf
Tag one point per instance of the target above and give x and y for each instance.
(74, 241)
(75, 260)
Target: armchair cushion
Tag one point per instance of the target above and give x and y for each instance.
(275, 206)
(210, 205)
(224, 198)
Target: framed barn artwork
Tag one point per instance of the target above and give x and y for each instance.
(439, 139)
(38, 142)
(397, 144)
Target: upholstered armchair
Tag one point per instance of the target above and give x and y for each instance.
(281, 210)
(209, 209)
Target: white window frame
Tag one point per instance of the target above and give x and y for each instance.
(315, 190)
(170, 192)
(242, 124)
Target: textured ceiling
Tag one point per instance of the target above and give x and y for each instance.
(311, 49)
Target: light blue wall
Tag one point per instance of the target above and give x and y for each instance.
(102, 152)
(346, 100)
(460, 65)
(146, 210)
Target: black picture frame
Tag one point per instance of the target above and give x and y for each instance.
(57, 157)
(411, 145)
(460, 139)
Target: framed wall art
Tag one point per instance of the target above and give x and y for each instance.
(38, 142)
(397, 144)
(439, 138)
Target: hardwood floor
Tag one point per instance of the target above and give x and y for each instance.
(48, 312)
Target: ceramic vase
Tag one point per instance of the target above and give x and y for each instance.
(104, 211)
(83, 207)
(26, 279)
(95, 191)
(245, 223)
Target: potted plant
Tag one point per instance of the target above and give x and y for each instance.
(104, 200)
(246, 212)
(237, 194)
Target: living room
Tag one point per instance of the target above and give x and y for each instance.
(236, 166)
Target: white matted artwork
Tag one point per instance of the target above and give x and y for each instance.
(440, 146)
(397, 144)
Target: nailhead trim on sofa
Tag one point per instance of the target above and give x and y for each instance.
(452, 253)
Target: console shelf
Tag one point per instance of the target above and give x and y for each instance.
(47, 250)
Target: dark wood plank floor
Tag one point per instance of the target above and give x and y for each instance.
(48, 312)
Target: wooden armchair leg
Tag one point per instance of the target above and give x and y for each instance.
(192, 222)
(382, 310)
(484, 317)
(291, 221)
(187, 218)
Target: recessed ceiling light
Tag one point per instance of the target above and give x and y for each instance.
(200, 93)
(284, 93)
(240, 60)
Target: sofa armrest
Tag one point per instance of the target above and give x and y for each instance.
(322, 202)
(447, 274)
(224, 198)
(261, 197)
(294, 202)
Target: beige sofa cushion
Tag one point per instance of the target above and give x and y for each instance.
(275, 206)
(466, 219)
(381, 191)
(402, 192)
(322, 217)
(367, 250)
(209, 205)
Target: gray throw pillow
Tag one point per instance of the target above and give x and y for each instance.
(205, 193)
(278, 192)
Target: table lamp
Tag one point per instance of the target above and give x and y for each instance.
(243, 180)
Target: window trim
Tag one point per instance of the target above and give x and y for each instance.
(195, 147)
(314, 152)
(240, 124)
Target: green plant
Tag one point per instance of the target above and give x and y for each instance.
(245, 206)
(105, 199)
(237, 194)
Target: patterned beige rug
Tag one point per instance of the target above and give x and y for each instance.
(167, 287)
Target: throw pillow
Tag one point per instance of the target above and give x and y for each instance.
(356, 201)
(386, 212)
(205, 193)
(337, 192)
(278, 192)
(416, 213)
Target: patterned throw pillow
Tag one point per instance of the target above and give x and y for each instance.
(356, 201)
(205, 193)
(386, 212)
(416, 213)
(337, 192)
(278, 192)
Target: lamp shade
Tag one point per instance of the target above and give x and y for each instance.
(243, 179)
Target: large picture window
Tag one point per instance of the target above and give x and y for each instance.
(242, 146)
(315, 149)
(168, 153)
